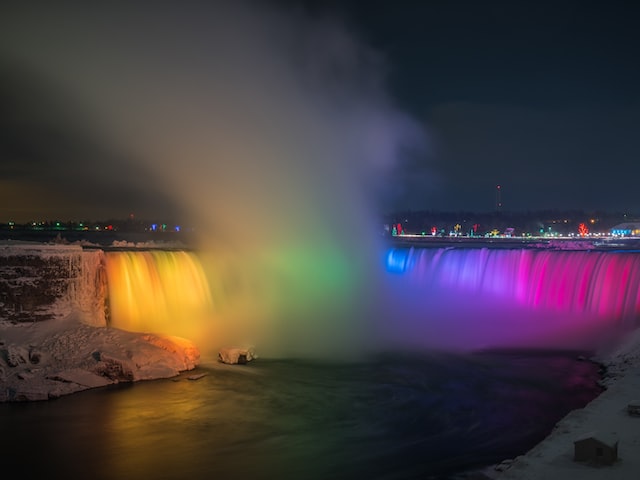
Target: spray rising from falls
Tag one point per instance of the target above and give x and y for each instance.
(270, 129)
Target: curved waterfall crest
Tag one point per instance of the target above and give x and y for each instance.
(600, 283)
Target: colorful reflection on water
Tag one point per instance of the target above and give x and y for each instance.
(392, 416)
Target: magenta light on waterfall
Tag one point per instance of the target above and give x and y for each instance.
(515, 297)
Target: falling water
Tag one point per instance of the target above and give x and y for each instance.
(586, 282)
(448, 298)
(515, 297)
(275, 299)
(158, 291)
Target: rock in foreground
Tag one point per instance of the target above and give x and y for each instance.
(49, 359)
(236, 355)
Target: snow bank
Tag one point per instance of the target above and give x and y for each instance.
(45, 360)
(607, 416)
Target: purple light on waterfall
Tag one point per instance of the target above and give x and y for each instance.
(512, 297)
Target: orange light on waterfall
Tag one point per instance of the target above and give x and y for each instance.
(157, 291)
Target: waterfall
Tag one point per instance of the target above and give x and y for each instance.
(297, 300)
(515, 296)
(448, 298)
(157, 291)
(597, 283)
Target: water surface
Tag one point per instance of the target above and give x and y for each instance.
(394, 416)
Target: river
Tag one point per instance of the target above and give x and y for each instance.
(393, 416)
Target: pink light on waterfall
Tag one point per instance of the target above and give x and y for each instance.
(513, 295)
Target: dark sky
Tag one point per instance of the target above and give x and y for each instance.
(541, 97)
(414, 104)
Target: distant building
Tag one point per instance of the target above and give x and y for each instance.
(596, 449)
(628, 229)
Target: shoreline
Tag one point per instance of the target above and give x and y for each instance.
(606, 415)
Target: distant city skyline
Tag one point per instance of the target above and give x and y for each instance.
(413, 222)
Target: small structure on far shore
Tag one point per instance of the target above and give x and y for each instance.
(596, 449)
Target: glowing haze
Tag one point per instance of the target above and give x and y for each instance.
(271, 128)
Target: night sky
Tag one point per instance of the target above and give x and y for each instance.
(422, 105)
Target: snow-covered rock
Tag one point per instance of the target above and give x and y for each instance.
(48, 359)
(54, 338)
(236, 355)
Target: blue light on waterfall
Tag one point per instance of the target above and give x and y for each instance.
(398, 260)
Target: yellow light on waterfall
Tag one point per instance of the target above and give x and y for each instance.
(156, 291)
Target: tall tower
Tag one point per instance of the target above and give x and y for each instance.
(498, 198)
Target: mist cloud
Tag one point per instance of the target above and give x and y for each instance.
(236, 87)
(270, 126)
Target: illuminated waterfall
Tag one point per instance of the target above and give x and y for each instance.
(595, 283)
(484, 296)
(448, 298)
(281, 299)
(158, 291)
